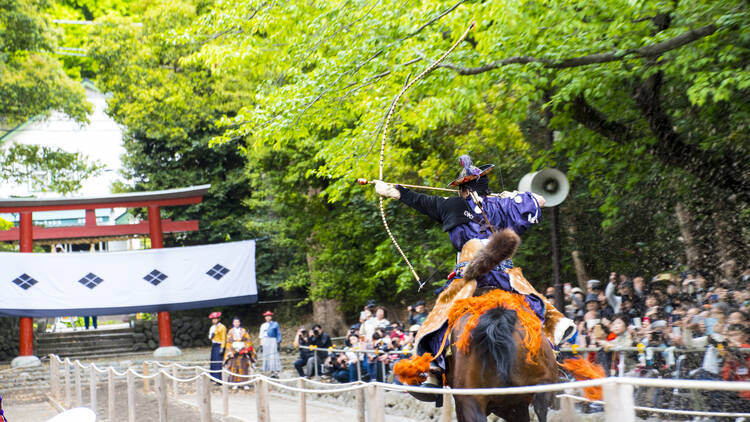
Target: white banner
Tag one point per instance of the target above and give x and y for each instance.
(107, 283)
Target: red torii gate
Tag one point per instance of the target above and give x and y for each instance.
(25, 234)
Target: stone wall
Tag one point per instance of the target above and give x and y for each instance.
(186, 332)
(8, 339)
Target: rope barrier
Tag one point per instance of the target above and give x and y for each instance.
(359, 385)
(658, 410)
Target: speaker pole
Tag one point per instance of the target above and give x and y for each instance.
(559, 303)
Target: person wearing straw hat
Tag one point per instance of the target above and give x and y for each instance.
(218, 336)
(270, 338)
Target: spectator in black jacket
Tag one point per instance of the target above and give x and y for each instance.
(322, 342)
(302, 339)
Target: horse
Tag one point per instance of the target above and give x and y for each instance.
(493, 339)
(494, 353)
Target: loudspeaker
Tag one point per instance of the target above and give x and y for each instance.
(551, 184)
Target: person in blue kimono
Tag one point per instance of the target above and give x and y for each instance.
(476, 214)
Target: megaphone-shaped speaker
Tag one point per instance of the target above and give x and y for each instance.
(551, 184)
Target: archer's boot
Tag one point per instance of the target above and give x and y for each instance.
(434, 380)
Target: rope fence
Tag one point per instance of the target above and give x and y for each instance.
(618, 401)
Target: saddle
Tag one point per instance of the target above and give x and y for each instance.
(461, 288)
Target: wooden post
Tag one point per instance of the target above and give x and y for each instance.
(54, 376)
(146, 381)
(261, 401)
(111, 393)
(618, 402)
(68, 387)
(360, 395)
(567, 410)
(302, 401)
(377, 404)
(446, 411)
(161, 394)
(79, 389)
(131, 396)
(205, 385)
(225, 398)
(92, 387)
(174, 380)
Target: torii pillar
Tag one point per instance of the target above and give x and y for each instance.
(153, 201)
(26, 324)
(166, 346)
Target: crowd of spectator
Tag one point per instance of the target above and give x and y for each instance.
(371, 347)
(681, 326)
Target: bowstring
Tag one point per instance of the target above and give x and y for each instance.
(392, 108)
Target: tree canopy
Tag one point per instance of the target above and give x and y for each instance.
(280, 104)
(34, 83)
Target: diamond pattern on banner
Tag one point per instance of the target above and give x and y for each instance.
(24, 281)
(90, 280)
(218, 271)
(155, 277)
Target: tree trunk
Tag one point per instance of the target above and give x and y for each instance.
(581, 274)
(326, 312)
(692, 253)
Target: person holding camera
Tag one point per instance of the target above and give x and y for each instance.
(302, 339)
(417, 313)
(322, 342)
(337, 366)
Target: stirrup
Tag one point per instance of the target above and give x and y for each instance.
(434, 380)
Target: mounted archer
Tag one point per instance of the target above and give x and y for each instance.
(485, 230)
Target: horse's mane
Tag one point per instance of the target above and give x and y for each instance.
(493, 336)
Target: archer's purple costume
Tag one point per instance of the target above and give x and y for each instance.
(463, 222)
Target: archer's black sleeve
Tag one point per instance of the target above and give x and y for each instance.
(431, 206)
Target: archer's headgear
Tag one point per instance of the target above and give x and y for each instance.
(473, 177)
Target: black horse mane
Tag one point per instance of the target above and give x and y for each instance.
(493, 336)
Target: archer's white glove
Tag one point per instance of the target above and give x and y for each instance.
(384, 189)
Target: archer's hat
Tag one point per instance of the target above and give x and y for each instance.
(267, 313)
(469, 171)
(213, 315)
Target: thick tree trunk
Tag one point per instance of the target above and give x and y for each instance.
(581, 274)
(326, 312)
(692, 253)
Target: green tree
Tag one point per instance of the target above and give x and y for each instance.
(32, 85)
(635, 90)
(32, 81)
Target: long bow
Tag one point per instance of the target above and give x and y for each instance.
(388, 116)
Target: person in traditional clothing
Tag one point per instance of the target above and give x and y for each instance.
(270, 339)
(217, 334)
(239, 355)
(470, 219)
